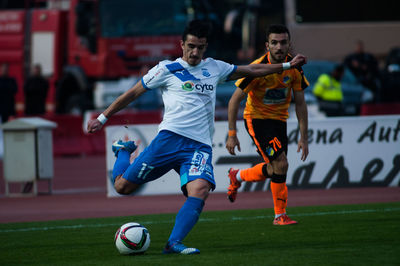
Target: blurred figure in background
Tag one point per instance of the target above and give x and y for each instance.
(391, 77)
(328, 91)
(8, 89)
(35, 89)
(365, 67)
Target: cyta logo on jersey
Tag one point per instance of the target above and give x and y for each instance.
(189, 86)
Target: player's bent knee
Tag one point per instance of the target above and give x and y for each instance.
(281, 164)
(267, 170)
(198, 188)
(284, 166)
(124, 187)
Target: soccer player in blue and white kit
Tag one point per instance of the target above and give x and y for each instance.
(184, 140)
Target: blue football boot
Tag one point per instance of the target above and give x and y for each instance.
(179, 248)
(129, 146)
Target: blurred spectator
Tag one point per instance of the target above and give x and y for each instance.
(328, 91)
(365, 67)
(8, 89)
(391, 77)
(35, 89)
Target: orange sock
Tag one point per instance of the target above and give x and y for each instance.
(279, 194)
(253, 174)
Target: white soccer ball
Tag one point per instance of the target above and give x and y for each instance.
(132, 238)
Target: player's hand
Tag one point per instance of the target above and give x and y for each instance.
(303, 146)
(94, 125)
(298, 61)
(231, 143)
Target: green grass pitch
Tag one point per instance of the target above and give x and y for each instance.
(366, 234)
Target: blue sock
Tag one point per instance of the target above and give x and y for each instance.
(121, 164)
(186, 219)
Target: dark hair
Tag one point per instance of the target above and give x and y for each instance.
(198, 28)
(277, 28)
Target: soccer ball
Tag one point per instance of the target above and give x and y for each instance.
(132, 238)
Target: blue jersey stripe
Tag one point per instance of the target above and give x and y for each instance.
(180, 72)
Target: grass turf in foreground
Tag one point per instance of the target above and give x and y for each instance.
(326, 235)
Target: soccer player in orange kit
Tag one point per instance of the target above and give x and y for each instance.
(265, 115)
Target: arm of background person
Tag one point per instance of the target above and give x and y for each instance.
(302, 118)
(233, 109)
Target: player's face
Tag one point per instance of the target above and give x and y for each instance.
(193, 49)
(278, 45)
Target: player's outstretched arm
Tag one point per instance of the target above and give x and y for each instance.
(233, 109)
(121, 102)
(260, 70)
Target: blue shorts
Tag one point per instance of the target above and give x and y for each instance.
(190, 158)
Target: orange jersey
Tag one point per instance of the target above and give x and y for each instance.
(269, 97)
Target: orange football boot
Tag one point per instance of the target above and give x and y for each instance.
(234, 184)
(284, 220)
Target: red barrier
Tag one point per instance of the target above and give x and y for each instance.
(69, 137)
(380, 109)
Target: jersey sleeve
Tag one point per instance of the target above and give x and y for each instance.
(238, 82)
(225, 70)
(301, 82)
(244, 83)
(155, 78)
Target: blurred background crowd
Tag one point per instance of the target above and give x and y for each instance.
(63, 57)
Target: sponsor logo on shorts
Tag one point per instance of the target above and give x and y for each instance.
(199, 163)
(270, 151)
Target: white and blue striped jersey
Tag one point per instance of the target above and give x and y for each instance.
(188, 94)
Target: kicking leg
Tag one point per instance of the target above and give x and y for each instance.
(123, 151)
(256, 173)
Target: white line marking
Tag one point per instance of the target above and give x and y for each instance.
(234, 218)
(77, 190)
